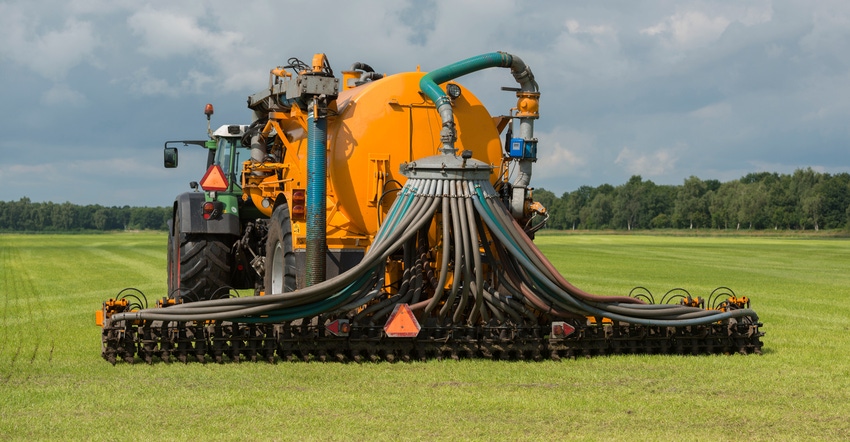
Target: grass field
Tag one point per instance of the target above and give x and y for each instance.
(54, 385)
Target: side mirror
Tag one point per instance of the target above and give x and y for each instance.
(170, 157)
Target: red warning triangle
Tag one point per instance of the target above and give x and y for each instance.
(340, 327)
(333, 327)
(402, 323)
(214, 179)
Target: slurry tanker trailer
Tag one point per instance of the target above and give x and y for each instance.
(386, 217)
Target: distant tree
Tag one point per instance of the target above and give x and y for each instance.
(67, 216)
(660, 221)
(711, 185)
(148, 218)
(755, 177)
(25, 215)
(691, 204)
(598, 214)
(781, 207)
(718, 206)
(101, 218)
(575, 202)
(836, 199)
(629, 202)
(753, 204)
(803, 182)
(812, 206)
(660, 200)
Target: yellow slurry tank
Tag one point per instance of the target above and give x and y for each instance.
(385, 123)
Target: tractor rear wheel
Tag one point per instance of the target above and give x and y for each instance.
(280, 272)
(204, 267)
(173, 269)
(199, 265)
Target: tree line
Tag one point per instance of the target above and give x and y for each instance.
(27, 216)
(803, 200)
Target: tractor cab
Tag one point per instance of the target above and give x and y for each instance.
(229, 154)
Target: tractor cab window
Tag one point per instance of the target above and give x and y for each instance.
(229, 155)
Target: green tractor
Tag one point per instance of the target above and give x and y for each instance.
(214, 238)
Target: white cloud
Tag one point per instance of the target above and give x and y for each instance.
(62, 95)
(166, 34)
(210, 50)
(49, 51)
(694, 28)
(713, 111)
(98, 7)
(648, 164)
(144, 83)
(559, 153)
(689, 29)
(574, 27)
(581, 48)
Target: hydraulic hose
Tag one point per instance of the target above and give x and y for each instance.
(465, 242)
(543, 263)
(457, 249)
(476, 255)
(340, 287)
(444, 263)
(316, 195)
(550, 288)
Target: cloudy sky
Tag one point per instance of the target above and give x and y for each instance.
(91, 89)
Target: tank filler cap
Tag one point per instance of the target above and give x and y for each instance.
(448, 167)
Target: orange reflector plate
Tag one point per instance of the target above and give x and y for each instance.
(402, 323)
(214, 179)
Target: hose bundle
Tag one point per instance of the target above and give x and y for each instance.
(488, 270)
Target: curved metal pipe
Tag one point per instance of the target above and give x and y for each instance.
(429, 85)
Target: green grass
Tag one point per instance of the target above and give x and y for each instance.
(54, 385)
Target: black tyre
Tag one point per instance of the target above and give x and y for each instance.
(280, 272)
(199, 265)
(204, 267)
(173, 269)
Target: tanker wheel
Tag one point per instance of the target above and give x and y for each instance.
(280, 274)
